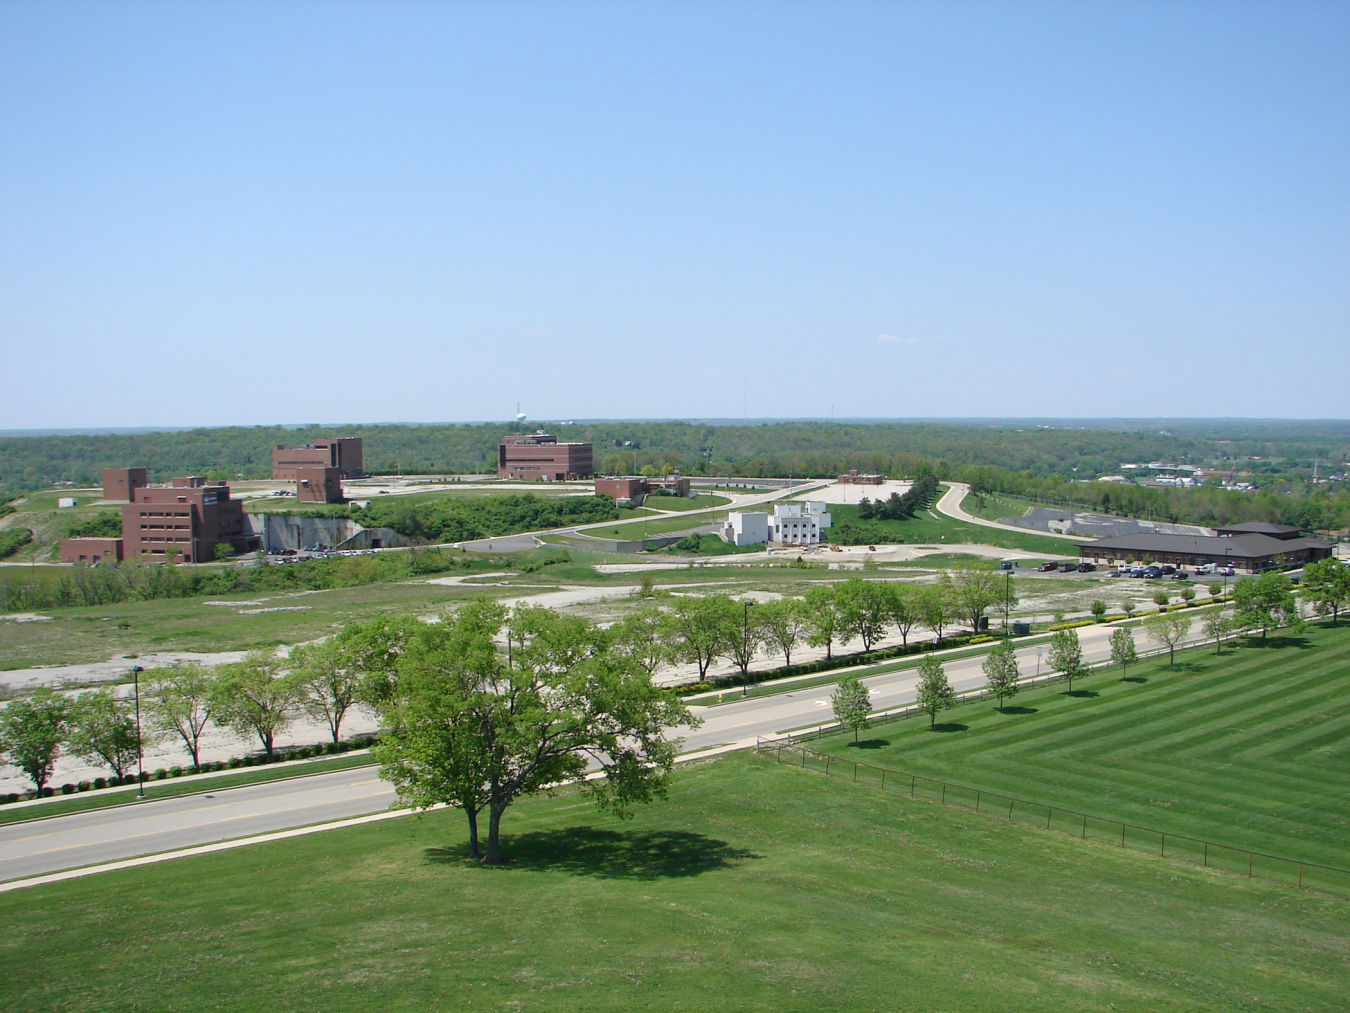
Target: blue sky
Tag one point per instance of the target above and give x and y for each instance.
(243, 213)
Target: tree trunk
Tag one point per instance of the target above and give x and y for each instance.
(829, 649)
(472, 814)
(494, 844)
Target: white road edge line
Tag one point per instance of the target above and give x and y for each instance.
(280, 835)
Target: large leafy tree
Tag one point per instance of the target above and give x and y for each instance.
(1326, 584)
(328, 681)
(32, 732)
(852, 704)
(974, 590)
(254, 697)
(478, 730)
(823, 623)
(1000, 669)
(180, 703)
(1266, 601)
(641, 636)
(904, 608)
(935, 606)
(1215, 625)
(783, 625)
(102, 728)
(864, 609)
(1066, 655)
(744, 635)
(701, 629)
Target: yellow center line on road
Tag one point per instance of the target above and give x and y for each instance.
(148, 814)
(193, 826)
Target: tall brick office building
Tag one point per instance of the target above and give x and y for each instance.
(344, 454)
(539, 457)
(186, 519)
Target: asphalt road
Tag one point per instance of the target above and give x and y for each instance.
(65, 842)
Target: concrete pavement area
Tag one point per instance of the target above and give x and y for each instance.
(62, 842)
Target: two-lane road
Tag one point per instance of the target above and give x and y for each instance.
(105, 835)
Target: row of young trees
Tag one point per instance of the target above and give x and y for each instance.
(700, 630)
(258, 697)
(899, 507)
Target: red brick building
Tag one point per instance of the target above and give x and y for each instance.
(318, 485)
(185, 520)
(91, 551)
(119, 484)
(539, 457)
(344, 454)
(635, 490)
(854, 478)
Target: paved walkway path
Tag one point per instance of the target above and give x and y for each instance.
(950, 504)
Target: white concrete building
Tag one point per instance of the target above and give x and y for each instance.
(746, 528)
(798, 523)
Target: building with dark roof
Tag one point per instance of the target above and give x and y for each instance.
(344, 454)
(1281, 531)
(1245, 550)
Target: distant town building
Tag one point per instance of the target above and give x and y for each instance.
(539, 457)
(344, 454)
(633, 490)
(91, 551)
(746, 528)
(798, 523)
(186, 520)
(853, 478)
(120, 483)
(318, 485)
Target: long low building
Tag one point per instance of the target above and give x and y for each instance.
(1249, 548)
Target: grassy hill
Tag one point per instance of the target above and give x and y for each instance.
(1251, 748)
(755, 887)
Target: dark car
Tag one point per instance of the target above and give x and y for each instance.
(1153, 572)
(1168, 570)
(1068, 567)
(1181, 575)
(1047, 567)
(1086, 567)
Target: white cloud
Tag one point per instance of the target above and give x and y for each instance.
(892, 339)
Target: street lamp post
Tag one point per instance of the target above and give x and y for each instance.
(136, 671)
(745, 645)
(1007, 600)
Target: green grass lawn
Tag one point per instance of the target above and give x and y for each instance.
(754, 887)
(996, 506)
(1250, 749)
(702, 501)
(173, 786)
(932, 528)
(636, 530)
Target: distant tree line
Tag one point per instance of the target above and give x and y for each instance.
(766, 450)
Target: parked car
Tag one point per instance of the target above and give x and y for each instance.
(1047, 567)
(1068, 567)
(1116, 573)
(1086, 567)
(1168, 570)
(1181, 575)
(1153, 572)
(1227, 571)
(1204, 568)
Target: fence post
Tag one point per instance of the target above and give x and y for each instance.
(1300, 875)
(944, 792)
(1048, 811)
(883, 777)
(827, 764)
(1085, 827)
(1162, 846)
(911, 786)
(1250, 858)
(1010, 805)
(977, 801)
(803, 756)
(1206, 862)
(855, 773)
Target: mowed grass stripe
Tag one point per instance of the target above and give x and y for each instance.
(1246, 748)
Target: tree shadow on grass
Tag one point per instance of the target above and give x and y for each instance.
(1190, 666)
(1020, 710)
(611, 854)
(949, 726)
(1133, 678)
(1086, 694)
(1274, 642)
(869, 744)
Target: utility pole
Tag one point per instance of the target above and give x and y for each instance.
(136, 671)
